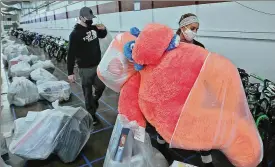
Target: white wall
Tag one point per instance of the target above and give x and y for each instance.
(245, 36)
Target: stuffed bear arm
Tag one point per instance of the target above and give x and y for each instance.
(128, 101)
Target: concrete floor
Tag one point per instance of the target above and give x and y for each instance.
(93, 153)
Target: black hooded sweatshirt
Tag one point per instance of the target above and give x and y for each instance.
(84, 47)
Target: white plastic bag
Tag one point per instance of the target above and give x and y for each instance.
(21, 69)
(6, 43)
(14, 50)
(23, 50)
(35, 135)
(18, 59)
(34, 59)
(22, 92)
(3, 145)
(135, 153)
(104, 43)
(41, 74)
(11, 51)
(54, 90)
(5, 60)
(2, 163)
(63, 131)
(181, 164)
(115, 69)
(43, 64)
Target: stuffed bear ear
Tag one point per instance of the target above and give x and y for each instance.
(135, 31)
(174, 43)
(128, 47)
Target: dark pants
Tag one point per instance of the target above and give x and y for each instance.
(89, 79)
(202, 153)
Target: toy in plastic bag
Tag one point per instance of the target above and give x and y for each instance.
(63, 131)
(47, 65)
(114, 68)
(54, 90)
(194, 98)
(21, 69)
(75, 134)
(135, 153)
(22, 92)
(41, 74)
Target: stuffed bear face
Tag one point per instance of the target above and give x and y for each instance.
(152, 43)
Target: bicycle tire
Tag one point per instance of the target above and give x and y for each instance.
(259, 121)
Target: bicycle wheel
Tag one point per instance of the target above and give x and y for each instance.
(59, 56)
(263, 125)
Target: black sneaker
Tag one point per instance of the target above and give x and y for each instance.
(95, 120)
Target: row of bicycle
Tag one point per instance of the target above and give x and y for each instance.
(55, 47)
(261, 101)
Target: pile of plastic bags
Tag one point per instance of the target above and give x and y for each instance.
(14, 50)
(135, 153)
(63, 131)
(22, 92)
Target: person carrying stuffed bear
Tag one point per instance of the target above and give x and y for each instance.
(194, 98)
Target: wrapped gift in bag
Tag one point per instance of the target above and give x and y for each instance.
(22, 92)
(47, 65)
(54, 90)
(127, 148)
(34, 59)
(15, 50)
(18, 59)
(21, 69)
(41, 74)
(63, 131)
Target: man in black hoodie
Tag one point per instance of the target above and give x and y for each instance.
(84, 49)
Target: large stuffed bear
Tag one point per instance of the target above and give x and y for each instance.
(194, 98)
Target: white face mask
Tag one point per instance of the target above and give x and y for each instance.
(188, 34)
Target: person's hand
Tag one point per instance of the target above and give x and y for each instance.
(100, 26)
(71, 78)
